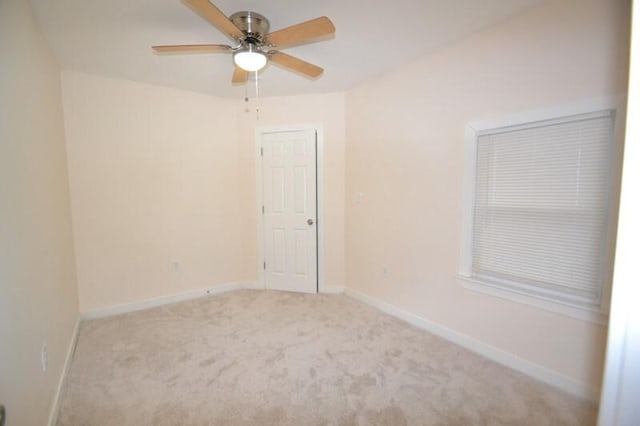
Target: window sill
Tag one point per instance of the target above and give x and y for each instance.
(578, 312)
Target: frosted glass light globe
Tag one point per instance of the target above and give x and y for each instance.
(250, 59)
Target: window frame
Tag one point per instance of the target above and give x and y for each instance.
(472, 131)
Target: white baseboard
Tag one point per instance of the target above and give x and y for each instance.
(253, 286)
(53, 413)
(163, 300)
(331, 289)
(508, 359)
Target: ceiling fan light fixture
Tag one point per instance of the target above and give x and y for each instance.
(250, 58)
(250, 31)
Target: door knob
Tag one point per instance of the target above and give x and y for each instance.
(309, 222)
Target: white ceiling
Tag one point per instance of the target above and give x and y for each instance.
(113, 38)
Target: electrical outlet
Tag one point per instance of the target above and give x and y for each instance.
(385, 271)
(44, 355)
(176, 265)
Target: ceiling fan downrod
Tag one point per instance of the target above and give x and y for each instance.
(253, 25)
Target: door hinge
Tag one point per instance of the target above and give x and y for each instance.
(261, 151)
(262, 209)
(264, 266)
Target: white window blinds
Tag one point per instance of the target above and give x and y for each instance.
(540, 210)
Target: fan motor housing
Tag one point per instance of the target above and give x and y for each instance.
(252, 24)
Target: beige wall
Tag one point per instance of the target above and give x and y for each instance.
(405, 134)
(154, 179)
(159, 175)
(38, 296)
(328, 112)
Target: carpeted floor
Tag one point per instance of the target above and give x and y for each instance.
(275, 358)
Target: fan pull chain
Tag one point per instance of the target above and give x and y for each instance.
(246, 99)
(257, 99)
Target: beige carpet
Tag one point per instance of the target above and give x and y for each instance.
(271, 358)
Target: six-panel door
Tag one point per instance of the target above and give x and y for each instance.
(289, 196)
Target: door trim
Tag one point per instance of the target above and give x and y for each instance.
(319, 194)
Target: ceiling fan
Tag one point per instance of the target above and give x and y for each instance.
(255, 45)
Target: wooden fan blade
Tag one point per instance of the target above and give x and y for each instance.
(192, 48)
(215, 16)
(240, 76)
(295, 64)
(301, 33)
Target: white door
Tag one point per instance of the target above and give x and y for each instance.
(289, 197)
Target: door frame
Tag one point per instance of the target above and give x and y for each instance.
(259, 131)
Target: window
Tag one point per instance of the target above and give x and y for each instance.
(540, 209)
